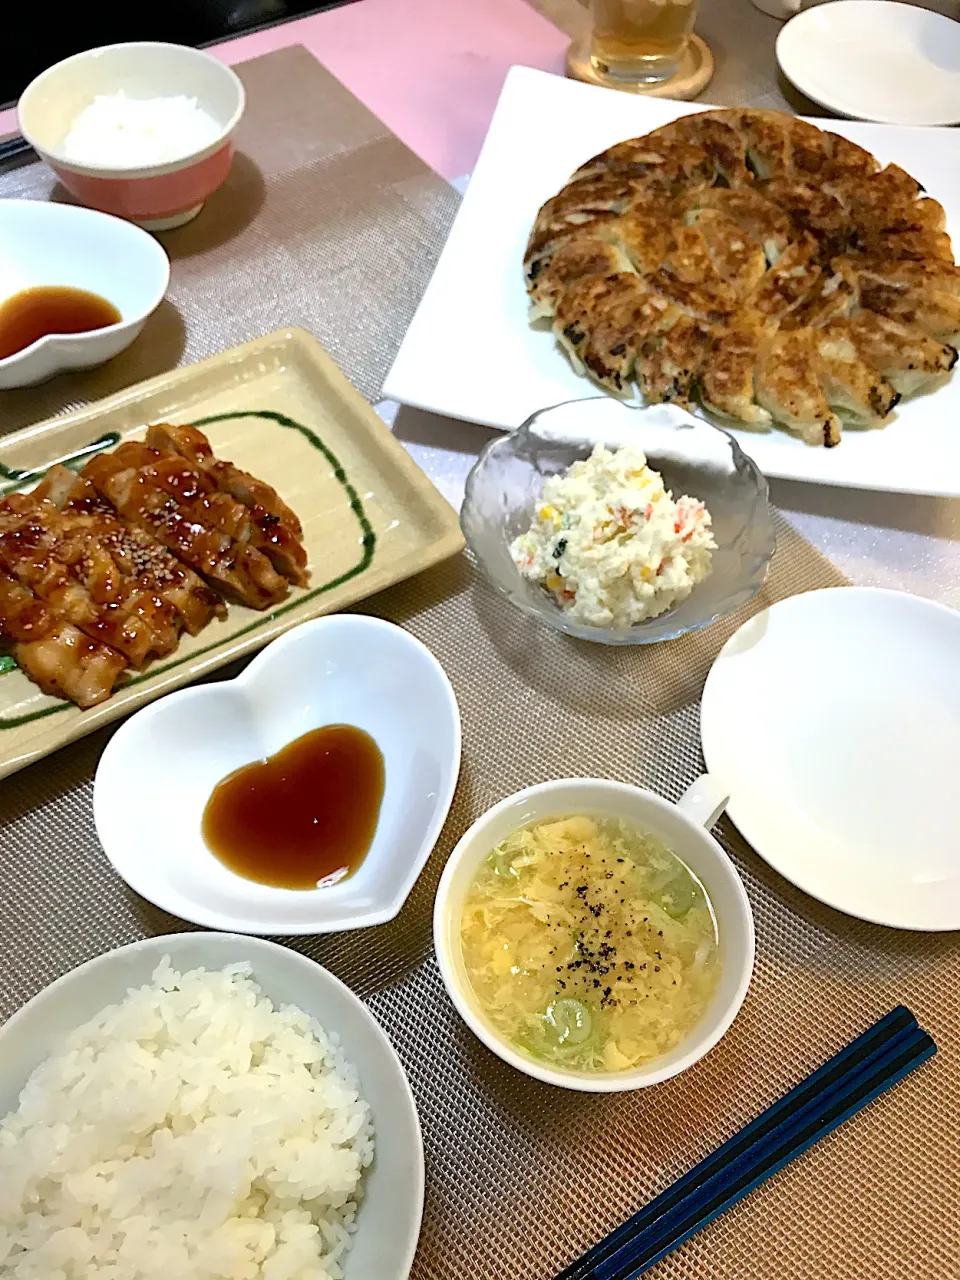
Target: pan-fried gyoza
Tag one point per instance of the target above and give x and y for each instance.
(770, 269)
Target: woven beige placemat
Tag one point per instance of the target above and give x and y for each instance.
(327, 221)
(520, 1176)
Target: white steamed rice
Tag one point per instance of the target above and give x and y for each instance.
(121, 132)
(191, 1131)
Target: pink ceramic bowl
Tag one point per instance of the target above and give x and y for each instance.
(157, 196)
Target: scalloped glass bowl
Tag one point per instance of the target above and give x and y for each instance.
(693, 456)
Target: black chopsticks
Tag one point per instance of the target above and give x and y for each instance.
(872, 1063)
(12, 148)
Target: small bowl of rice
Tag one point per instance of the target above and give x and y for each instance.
(205, 1105)
(141, 130)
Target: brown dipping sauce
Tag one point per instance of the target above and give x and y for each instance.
(34, 313)
(303, 818)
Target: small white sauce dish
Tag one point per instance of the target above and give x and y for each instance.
(684, 827)
(158, 771)
(64, 245)
(388, 1221)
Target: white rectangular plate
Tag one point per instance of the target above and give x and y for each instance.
(279, 407)
(471, 353)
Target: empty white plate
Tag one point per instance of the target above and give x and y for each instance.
(875, 60)
(833, 719)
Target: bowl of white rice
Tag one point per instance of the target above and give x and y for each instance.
(205, 1105)
(142, 130)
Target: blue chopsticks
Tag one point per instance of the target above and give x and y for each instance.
(868, 1066)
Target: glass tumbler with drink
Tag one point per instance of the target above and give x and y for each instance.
(639, 41)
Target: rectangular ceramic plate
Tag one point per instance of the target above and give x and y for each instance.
(471, 353)
(280, 408)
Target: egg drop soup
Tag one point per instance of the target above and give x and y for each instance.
(589, 944)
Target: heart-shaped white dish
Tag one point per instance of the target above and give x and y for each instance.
(158, 771)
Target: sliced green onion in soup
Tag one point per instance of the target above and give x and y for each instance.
(502, 864)
(568, 1022)
(678, 896)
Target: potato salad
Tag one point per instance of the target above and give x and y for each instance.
(611, 545)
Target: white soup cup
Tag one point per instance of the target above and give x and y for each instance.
(684, 829)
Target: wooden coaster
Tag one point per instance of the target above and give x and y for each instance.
(691, 77)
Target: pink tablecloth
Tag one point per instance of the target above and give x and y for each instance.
(431, 69)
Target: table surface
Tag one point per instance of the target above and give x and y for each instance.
(432, 70)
